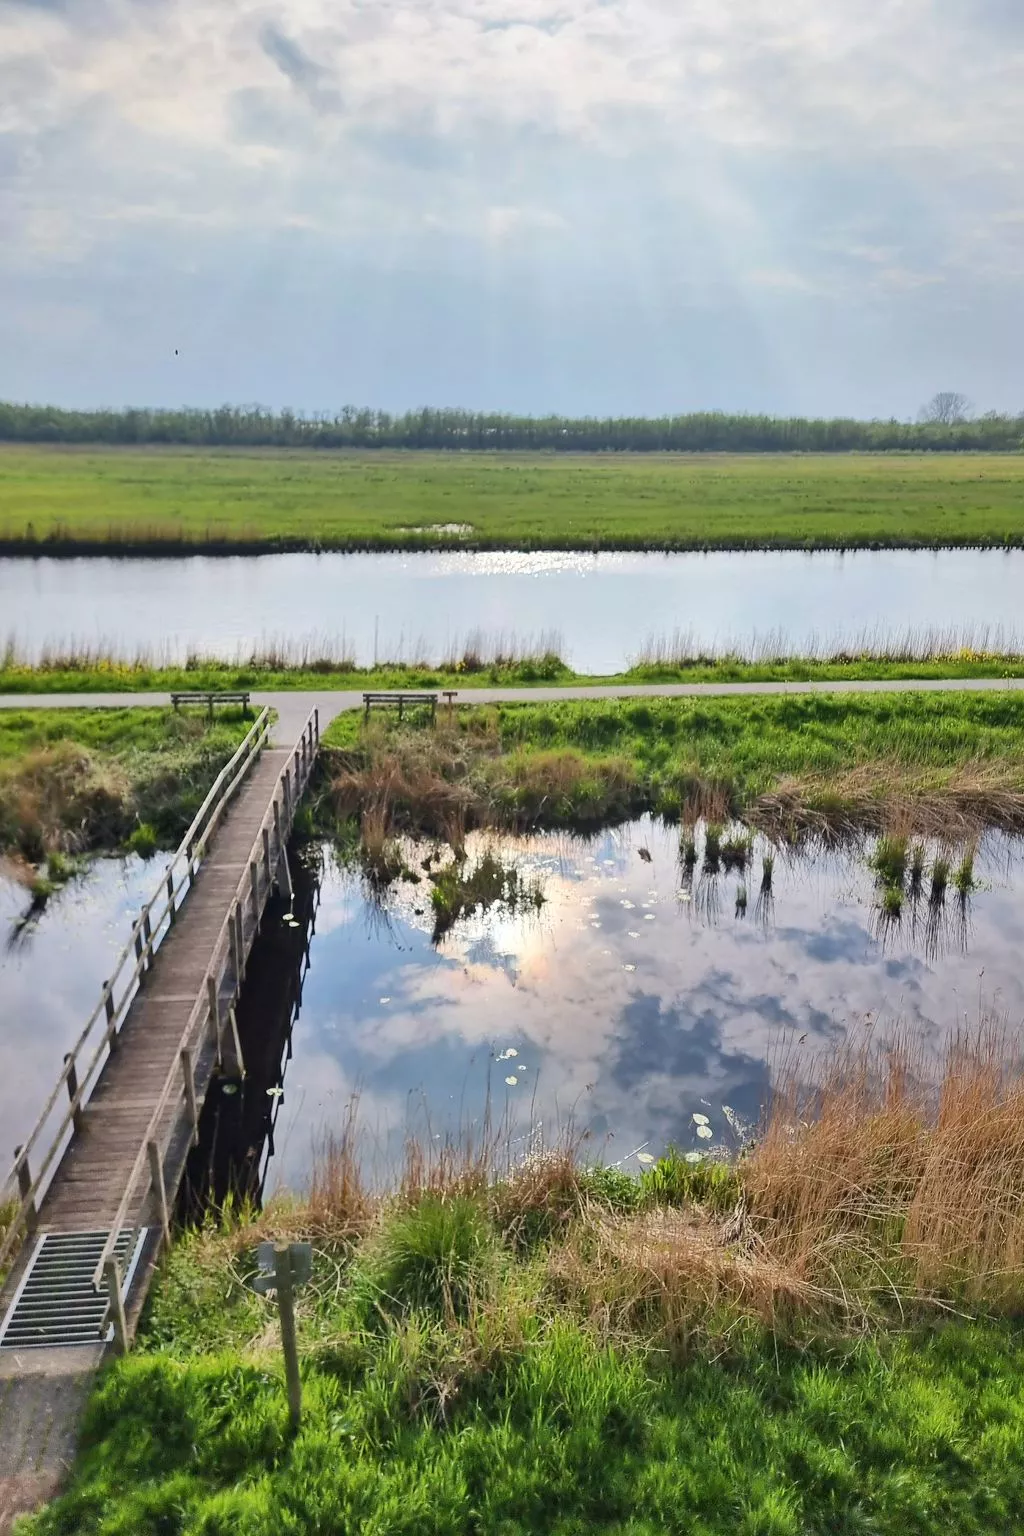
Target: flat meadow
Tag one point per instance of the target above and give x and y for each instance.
(155, 498)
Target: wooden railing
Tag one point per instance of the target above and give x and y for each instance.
(207, 1022)
(84, 1062)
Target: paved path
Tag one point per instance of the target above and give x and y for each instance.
(293, 705)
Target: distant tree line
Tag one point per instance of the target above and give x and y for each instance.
(940, 429)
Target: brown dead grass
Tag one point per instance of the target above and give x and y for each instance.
(891, 797)
(60, 798)
(895, 1169)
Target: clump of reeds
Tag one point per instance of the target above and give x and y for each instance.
(891, 1171)
(917, 865)
(741, 901)
(712, 848)
(737, 850)
(688, 852)
(889, 861)
(767, 872)
(963, 878)
(940, 879)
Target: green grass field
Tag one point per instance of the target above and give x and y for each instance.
(120, 498)
(955, 759)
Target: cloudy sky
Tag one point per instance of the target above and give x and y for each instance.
(573, 205)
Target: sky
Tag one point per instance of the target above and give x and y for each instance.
(582, 206)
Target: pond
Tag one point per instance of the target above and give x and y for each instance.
(600, 610)
(633, 999)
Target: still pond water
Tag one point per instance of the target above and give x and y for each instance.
(629, 1002)
(599, 609)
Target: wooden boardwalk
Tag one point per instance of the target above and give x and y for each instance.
(113, 1150)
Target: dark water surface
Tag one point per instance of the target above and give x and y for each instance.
(631, 1001)
(423, 606)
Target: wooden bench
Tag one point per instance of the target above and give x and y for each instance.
(210, 697)
(387, 700)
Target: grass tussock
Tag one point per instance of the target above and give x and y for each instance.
(72, 781)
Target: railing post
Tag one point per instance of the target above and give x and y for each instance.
(108, 1004)
(236, 957)
(172, 912)
(316, 725)
(266, 858)
(140, 969)
(277, 828)
(190, 1092)
(287, 784)
(147, 934)
(254, 881)
(240, 929)
(113, 1273)
(156, 1173)
(72, 1081)
(214, 1001)
(191, 851)
(25, 1190)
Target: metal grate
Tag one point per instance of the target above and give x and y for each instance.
(55, 1305)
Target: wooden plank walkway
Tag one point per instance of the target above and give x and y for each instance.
(104, 1179)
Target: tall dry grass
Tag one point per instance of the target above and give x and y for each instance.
(892, 1168)
(880, 642)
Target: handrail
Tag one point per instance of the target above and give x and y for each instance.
(204, 1011)
(141, 944)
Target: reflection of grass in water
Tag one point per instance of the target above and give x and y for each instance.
(917, 861)
(741, 901)
(459, 890)
(712, 848)
(707, 899)
(688, 852)
(767, 871)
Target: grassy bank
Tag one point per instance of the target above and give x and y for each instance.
(210, 500)
(72, 781)
(81, 673)
(939, 763)
(816, 1335)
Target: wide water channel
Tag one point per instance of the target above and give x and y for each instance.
(600, 610)
(631, 1000)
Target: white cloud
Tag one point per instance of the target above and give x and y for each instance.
(761, 149)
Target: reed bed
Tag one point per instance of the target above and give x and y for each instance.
(683, 649)
(316, 652)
